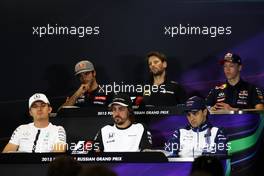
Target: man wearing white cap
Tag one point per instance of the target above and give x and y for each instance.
(40, 136)
(88, 93)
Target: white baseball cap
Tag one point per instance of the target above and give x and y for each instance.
(37, 97)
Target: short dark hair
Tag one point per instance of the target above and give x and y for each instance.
(159, 55)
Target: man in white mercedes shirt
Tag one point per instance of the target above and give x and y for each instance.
(124, 135)
(40, 136)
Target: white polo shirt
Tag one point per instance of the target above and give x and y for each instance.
(131, 139)
(40, 140)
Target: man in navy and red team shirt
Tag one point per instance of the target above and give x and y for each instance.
(170, 93)
(89, 91)
(235, 93)
(125, 135)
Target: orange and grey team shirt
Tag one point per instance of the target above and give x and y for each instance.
(134, 138)
(243, 95)
(31, 139)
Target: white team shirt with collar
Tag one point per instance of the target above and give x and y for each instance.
(25, 136)
(192, 144)
(122, 140)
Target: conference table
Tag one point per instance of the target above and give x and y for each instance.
(244, 129)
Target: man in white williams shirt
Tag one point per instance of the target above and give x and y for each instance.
(40, 136)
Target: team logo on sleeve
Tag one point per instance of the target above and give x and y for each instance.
(221, 97)
(259, 93)
(149, 137)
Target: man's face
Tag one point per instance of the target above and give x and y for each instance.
(40, 110)
(120, 114)
(232, 70)
(156, 66)
(87, 77)
(197, 118)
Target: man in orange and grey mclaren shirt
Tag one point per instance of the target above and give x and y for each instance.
(235, 93)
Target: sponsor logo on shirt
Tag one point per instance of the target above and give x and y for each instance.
(26, 133)
(132, 135)
(169, 92)
(241, 102)
(223, 86)
(111, 135)
(98, 102)
(100, 98)
(109, 141)
(243, 94)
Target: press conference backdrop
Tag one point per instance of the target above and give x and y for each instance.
(44, 60)
(118, 36)
(37, 60)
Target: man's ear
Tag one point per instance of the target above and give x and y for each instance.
(240, 67)
(50, 109)
(205, 111)
(94, 73)
(164, 64)
(29, 111)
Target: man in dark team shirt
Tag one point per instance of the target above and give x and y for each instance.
(124, 135)
(235, 93)
(89, 92)
(168, 93)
